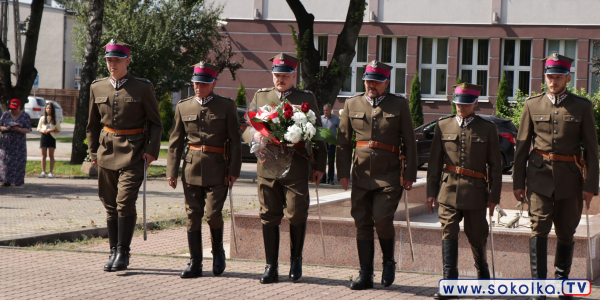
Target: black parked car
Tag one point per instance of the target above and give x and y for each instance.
(507, 131)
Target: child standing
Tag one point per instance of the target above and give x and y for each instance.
(49, 128)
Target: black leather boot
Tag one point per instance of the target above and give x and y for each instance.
(538, 259)
(389, 264)
(194, 268)
(126, 228)
(113, 239)
(450, 258)
(366, 254)
(480, 257)
(297, 234)
(217, 251)
(271, 240)
(562, 263)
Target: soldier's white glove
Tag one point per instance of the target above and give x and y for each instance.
(258, 141)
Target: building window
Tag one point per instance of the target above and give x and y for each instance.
(322, 42)
(78, 72)
(354, 83)
(567, 48)
(393, 53)
(474, 63)
(434, 66)
(516, 63)
(594, 79)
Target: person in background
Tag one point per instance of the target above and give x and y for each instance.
(14, 125)
(332, 122)
(49, 127)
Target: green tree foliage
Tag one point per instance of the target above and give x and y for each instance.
(168, 37)
(165, 108)
(416, 109)
(595, 98)
(502, 106)
(458, 81)
(240, 100)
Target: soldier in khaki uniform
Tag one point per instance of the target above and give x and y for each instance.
(555, 125)
(210, 123)
(381, 122)
(123, 116)
(289, 195)
(463, 147)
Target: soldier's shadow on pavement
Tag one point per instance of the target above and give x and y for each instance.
(140, 271)
(43, 190)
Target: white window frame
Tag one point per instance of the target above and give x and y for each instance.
(434, 67)
(561, 51)
(353, 66)
(393, 62)
(590, 75)
(475, 67)
(78, 72)
(517, 68)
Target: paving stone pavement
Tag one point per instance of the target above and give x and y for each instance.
(45, 205)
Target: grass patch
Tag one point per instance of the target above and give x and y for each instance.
(63, 168)
(164, 143)
(69, 120)
(163, 153)
(61, 139)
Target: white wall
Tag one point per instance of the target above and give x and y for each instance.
(49, 56)
(70, 63)
(514, 12)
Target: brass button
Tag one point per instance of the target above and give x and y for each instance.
(374, 111)
(463, 142)
(462, 150)
(571, 119)
(463, 133)
(448, 137)
(556, 113)
(202, 128)
(115, 110)
(555, 141)
(116, 95)
(374, 119)
(555, 122)
(555, 131)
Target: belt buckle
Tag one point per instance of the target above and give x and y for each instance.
(370, 143)
(116, 132)
(459, 170)
(550, 155)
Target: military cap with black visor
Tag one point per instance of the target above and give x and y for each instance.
(466, 93)
(557, 64)
(377, 71)
(205, 73)
(117, 49)
(283, 63)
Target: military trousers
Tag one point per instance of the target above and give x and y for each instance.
(565, 213)
(475, 224)
(198, 198)
(118, 189)
(375, 208)
(283, 197)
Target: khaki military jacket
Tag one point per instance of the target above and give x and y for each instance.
(562, 129)
(211, 125)
(130, 107)
(389, 123)
(472, 148)
(300, 165)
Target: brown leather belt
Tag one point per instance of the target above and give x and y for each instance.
(557, 157)
(378, 145)
(123, 131)
(463, 171)
(205, 148)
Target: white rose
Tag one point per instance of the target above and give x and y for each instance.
(309, 131)
(275, 120)
(299, 118)
(312, 117)
(293, 134)
(341, 111)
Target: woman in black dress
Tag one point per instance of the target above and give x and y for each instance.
(49, 127)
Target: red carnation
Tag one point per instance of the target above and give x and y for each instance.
(305, 107)
(287, 107)
(288, 114)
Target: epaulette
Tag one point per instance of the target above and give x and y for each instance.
(143, 80)
(99, 79)
(305, 91)
(446, 117)
(581, 97)
(489, 121)
(186, 99)
(398, 95)
(359, 94)
(535, 96)
(265, 90)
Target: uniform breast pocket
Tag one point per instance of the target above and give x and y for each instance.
(572, 123)
(542, 123)
(391, 118)
(102, 103)
(216, 120)
(191, 122)
(357, 119)
(478, 143)
(450, 141)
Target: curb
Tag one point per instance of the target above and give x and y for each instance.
(69, 235)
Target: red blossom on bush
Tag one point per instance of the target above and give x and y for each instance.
(288, 114)
(305, 107)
